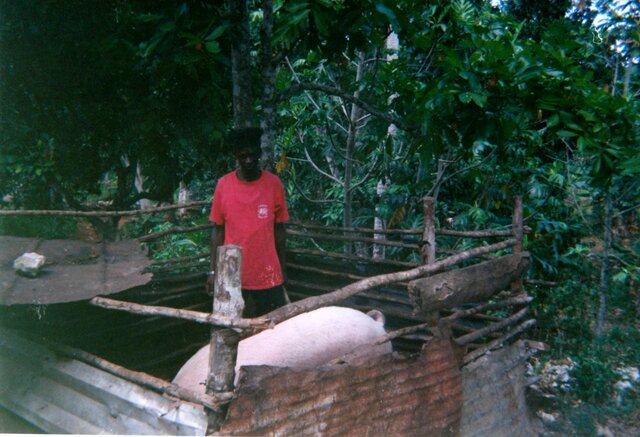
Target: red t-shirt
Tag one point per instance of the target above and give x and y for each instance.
(249, 211)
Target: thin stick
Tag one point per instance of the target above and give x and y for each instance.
(474, 234)
(195, 316)
(415, 232)
(179, 260)
(518, 300)
(332, 273)
(492, 328)
(173, 267)
(351, 258)
(347, 238)
(404, 331)
(213, 402)
(103, 213)
(495, 344)
(178, 230)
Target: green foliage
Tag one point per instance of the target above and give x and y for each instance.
(484, 113)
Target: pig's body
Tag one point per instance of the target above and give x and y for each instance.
(302, 342)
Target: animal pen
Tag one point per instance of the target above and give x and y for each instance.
(75, 361)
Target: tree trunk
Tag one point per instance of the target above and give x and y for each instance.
(241, 63)
(378, 221)
(269, 87)
(347, 202)
(604, 269)
(391, 44)
(184, 197)
(138, 183)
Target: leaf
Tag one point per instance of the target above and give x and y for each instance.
(167, 27)
(397, 217)
(631, 166)
(215, 33)
(282, 163)
(562, 133)
(391, 15)
(588, 116)
(465, 97)
(553, 120)
(479, 99)
(212, 46)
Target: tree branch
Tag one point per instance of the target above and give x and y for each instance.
(295, 183)
(356, 101)
(366, 177)
(319, 170)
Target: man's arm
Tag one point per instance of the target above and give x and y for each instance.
(217, 239)
(281, 245)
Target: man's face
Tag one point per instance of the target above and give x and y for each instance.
(249, 160)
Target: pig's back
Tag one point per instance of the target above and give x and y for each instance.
(311, 339)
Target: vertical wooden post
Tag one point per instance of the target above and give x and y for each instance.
(428, 249)
(227, 301)
(517, 228)
(517, 223)
(429, 233)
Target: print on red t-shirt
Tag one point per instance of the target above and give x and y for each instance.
(248, 211)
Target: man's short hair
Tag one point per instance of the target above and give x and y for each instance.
(244, 137)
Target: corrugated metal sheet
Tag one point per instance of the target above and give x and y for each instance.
(65, 396)
(385, 395)
(494, 398)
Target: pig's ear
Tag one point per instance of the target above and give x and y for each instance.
(377, 316)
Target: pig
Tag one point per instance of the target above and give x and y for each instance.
(305, 341)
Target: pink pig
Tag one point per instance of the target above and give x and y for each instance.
(305, 341)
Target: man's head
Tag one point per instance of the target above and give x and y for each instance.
(245, 145)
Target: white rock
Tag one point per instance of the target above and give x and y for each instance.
(29, 264)
(547, 418)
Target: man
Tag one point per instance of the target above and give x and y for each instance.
(249, 209)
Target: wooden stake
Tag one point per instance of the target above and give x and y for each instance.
(429, 234)
(517, 224)
(227, 300)
(518, 235)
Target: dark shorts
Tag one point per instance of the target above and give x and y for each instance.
(260, 302)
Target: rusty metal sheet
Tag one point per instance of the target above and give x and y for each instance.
(494, 395)
(385, 395)
(74, 270)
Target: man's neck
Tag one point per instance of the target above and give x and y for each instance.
(250, 177)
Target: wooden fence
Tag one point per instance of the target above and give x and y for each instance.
(322, 274)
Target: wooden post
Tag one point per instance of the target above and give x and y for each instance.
(227, 301)
(517, 227)
(428, 248)
(429, 233)
(517, 224)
